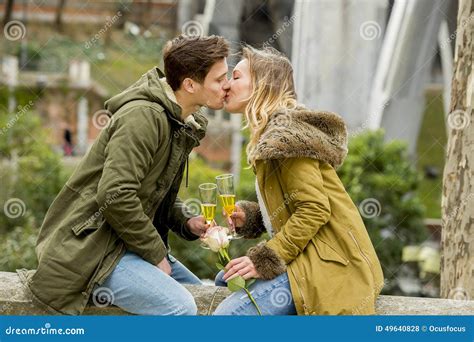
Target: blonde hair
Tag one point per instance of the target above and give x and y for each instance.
(273, 90)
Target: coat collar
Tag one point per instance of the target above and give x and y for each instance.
(196, 121)
(303, 133)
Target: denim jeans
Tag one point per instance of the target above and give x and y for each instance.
(273, 297)
(141, 288)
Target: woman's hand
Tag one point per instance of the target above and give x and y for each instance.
(242, 266)
(237, 218)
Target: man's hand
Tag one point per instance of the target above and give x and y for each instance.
(197, 225)
(164, 265)
(242, 266)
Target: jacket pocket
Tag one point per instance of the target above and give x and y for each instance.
(88, 226)
(328, 253)
(363, 255)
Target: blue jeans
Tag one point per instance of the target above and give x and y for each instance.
(273, 297)
(141, 288)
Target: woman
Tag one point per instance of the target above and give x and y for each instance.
(319, 258)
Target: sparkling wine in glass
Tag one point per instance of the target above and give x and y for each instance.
(208, 194)
(225, 186)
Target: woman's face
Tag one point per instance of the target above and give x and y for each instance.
(240, 88)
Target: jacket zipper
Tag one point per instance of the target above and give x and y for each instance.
(305, 307)
(360, 250)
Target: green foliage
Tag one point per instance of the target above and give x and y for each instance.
(31, 53)
(382, 174)
(18, 248)
(33, 172)
(31, 176)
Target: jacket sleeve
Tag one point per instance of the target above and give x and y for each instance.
(304, 184)
(128, 156)
(177, 220)
(253, 227)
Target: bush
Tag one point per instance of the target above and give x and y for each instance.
(31, 176)
(33, 172)
(18, 248)
(383, 183)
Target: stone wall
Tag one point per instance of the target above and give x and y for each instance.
(15, 301)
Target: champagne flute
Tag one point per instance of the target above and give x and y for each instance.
(208, 194)
(225, 185)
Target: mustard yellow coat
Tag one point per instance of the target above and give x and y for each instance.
(319, 234)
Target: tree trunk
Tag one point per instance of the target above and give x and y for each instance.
(457, 258)
(149, 13)
(59, 15)
(8, 11)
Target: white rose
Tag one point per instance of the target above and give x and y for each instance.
(216, 238)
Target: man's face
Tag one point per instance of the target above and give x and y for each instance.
(212, 91)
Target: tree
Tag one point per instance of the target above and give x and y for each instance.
(8, 11)
(59, 15)
(457, 239)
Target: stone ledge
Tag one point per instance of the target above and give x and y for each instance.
(14, 301)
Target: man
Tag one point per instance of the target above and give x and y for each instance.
(99, 234)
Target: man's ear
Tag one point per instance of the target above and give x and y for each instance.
(189, 85)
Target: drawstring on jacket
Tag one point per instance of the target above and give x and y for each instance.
(187, 171)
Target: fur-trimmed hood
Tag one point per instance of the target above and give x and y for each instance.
(302, 132)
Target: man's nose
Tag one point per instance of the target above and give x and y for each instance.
(226, 85)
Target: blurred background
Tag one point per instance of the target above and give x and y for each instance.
(384, 65)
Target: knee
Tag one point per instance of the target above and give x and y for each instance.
(228, 306)
(222, 311)
(219, 280)
(180, 303)
(187, 307)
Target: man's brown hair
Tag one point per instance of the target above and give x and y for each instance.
(193, 57)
